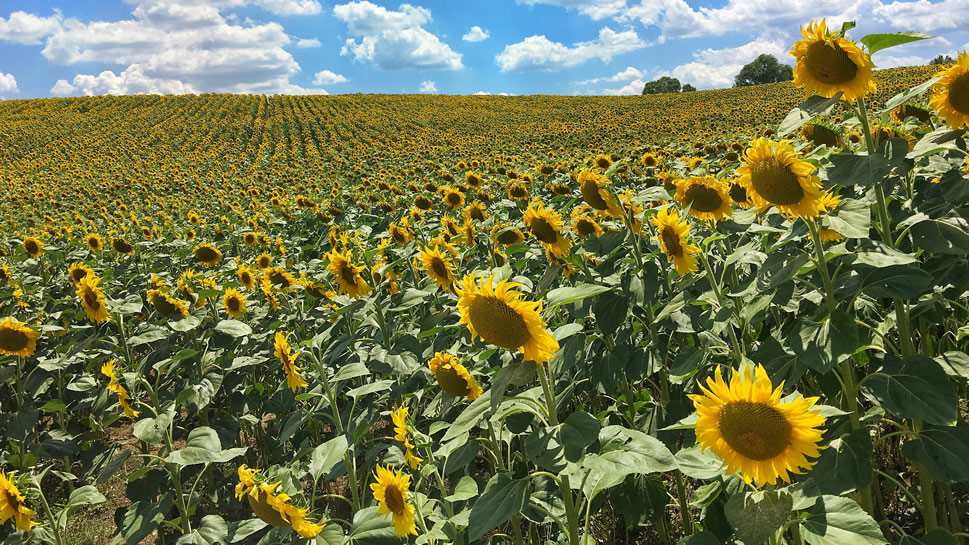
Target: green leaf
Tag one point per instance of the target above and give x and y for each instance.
(86, 495)
(466, 489)
(152, 430)
(822, 345)
(327, 455)
(517, 373)
(700, 538)
(877, 42)
(610, 309)
(565, 295)
(941, 139)
(942, 236)
(954, 363)
(132, 305)
(239, 530)
(503, 496)
(203, 447)
(371, 527)
(149, 336)
(879, 254)
(850, 169)
(212, 531)
(577, 432)
(845, 465)
(905, 96)
(624, 451)
(700, 464)
(833, 520)
(332, 534)
(805, 112)
(351, 370)
(187, 323)
(639, 499)
(233, 328)
(916, 388)
(142, 517)
(852, 218)
(943, 450)
(755, 516)
(470, 417)
(901, 281)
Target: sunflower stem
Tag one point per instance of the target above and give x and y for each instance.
(54, 526)
(684, 506)
(564, 488)
(927, 486)
(822, 265)
(737, 347)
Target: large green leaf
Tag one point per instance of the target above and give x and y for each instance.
(239, 530)
(943, 450)
(610, 309)
(909, 94)
(756, 516)
(901, 281)
(877, 42)
(577, 432)
(942, 236)
(233, 328)
(372, 528)
(142, 517)
(212, 531)
(833, 520)
(700, 464)
(153, 430)
(915, 388)
(503, 496)
(850, 169)
(822, 345)
(624, 452)
(470, 417)
(805, 112)
(852, 218)
(203, 447)
(845, 465)
(327, 455)
(571, 294)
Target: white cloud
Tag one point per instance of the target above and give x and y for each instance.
(290, 7)
(923, 15)
(634, 87)
(62, 88)
(475, 34)
(629, 73)
(8, 83)
(539, 53)
(427, 86)
(306, 43)
(131, 81)
(26, 28)
(596, 9)
(716, 68)
(486, 93)
(892, 61)
(327, 77)
(394, 40)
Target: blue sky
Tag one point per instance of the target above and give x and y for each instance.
(92, 47)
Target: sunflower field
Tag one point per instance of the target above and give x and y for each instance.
(734, 316)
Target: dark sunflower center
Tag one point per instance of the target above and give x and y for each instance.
(829, 64)
(91, 299)
(348, 274)
(453, 198)
(959, 94)
(122, 246)
(498, 323)
(775, 182)
(13, 340)
(394, 500)
(234, 304)
(163, 306)
(94, 243)
(543, 231)
(738, 193)
(31, 247)
(823, 136)
(602, 162)
(206, 254)
(703, 198)
(672, 241)
(508, 237)
(477, 214)
(585, 227)
(263, 262)
(423, 203)
(246, 279)
(399, 236)
(279, 278)
(518, 191)
(437, 265)
(78, 274)
(754, 430)
(590, 192)
(451, 382)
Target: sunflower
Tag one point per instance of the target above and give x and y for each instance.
(453, 377)
(475, 211)
(400, 233)
(278, 276)
(95, 242)
(603, 161)
(438, 267)
(399, 417)
(33, 247)
(738, 194)
(234, 303)
(547, 227)
(122, 246)
(423, 203)
(113, 386)
(6, 275)
(674, 236)
(12, 504)
(16, 339)
(473, 179)
(951, 93)
(167, 305)
(244, 274)
(78, 271)
(390, 491)
(294, 379)
(453, 197)
(207, 254)
(517, 192)
(591, 185)
(828, 64)
(746, 424)
(92, 298)
(347, 274)
(649, 160)
(821, 135)
(250, 239)
(498, 315)
(264, 261)
(706, 196)
(507, 234)
(584, 225)
(773, 174)
(271, 508)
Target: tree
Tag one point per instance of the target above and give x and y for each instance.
(664, 84)
(942, 59)
(687, 88)
(764, 69)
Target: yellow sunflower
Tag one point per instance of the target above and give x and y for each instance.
(438, 267)
(584, 225)
(649, 160)
(92, 299)
(547, 227)
(244, 274)
(474, 211)
(453, 377)
(113, 386)
(278, 276)
(264, 261)
(951, 93)
(827, 65)
(16, 339)
(706, 196)
(591, 185)
(391, 492)
(12, 504)
(33, 247)
(234, 303)
(271, 508)
(603, 161)
(78, 271)
(399, 417)
(773, 175)
(506, 234)
(250, 239)
(347, 274)
(674, 236)
(498, 315)
(752, 431)
(167, 305)
(122, 246)
(453, 197)
(294, 379)
(207, 254)
(95, 242)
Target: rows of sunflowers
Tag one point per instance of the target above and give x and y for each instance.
(699, 318)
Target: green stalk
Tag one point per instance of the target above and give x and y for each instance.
(54, 526)
(737, 346)
(570, 511)
(684, 507)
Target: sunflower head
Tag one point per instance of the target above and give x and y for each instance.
(453, 377)
(78, 271)
(95, 242)
(207, 254)
(12, 504)
(16, 339)
(706, 196)
(167, 305)
(547, 227)
(264, 261)
(438, 267)
(774, 175)
(234, 303)
(830, 63)
(453, 197)
(250, 239)
(951, 93)
(593, 190)
(391, 491)
(33, 247)
(507, 234)
(245, 276)
(92, 299)
(122, 246)
(674, 240)
(347, 274)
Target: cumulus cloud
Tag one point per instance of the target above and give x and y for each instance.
(8, 83)
(629, 73)
(131, 81)
(923, 15)
(28, 29)
(427, 86)
(290, 7)
(306, 43)
(486, 93)
(596, 9)
(716, 68)
(634, 87)
(540, 53)
(327, 77)
(475, 34)
(394, 40)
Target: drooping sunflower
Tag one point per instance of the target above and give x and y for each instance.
(234, 303)
(391, 492)
(474, 211)
(399, 417)
(828, 64)
(547, 227)
(92, 299)
(592, 186)
(347, 274)
(294, 379)
(752, 431)
(453, 377)
(773, 175)
(207, 254)
(498, 315)
(114, 386)
(506, 234)
(951, 93)
(78, 271)
(122, 246)
(95, 242)
(13, 506)
(244, 274)
(517, 191)
(279, 276)
(400, 233)
(33, 247)
(167, 305)
(438, 267)
(674, 236)
(273, 509)
(16, 339)
(706, 196)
